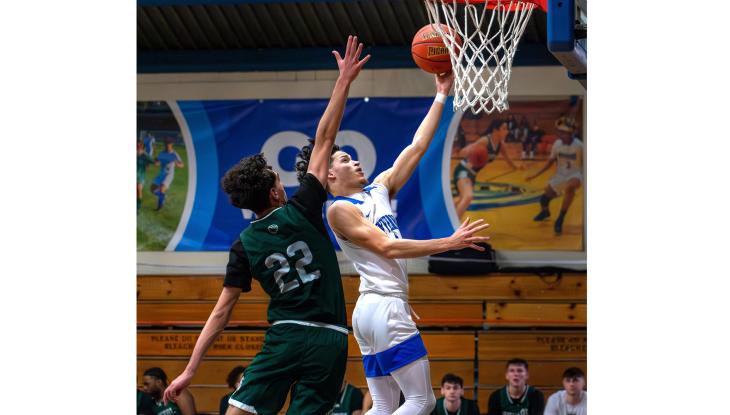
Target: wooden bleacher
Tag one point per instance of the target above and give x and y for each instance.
(467, 323)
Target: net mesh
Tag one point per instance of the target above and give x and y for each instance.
(489, 32)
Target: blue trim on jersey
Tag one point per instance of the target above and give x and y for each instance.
(387, 361)
(206, 176)
(372, 368)
(430, 178)
(349, 199)
(368, 188)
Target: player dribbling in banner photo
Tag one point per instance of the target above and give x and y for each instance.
(167, 160)
(287, 249)
(476, 156)
(364, 224)
(568, 153)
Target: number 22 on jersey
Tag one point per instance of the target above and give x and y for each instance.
(278, 259)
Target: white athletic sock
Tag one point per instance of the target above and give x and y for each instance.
(414, 380)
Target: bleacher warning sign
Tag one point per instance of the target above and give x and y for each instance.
(182, 344)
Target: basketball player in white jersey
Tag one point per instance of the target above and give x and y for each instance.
(361, 217)
(568, 153)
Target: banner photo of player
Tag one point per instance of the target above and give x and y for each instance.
(497, 167)
(162, 177)
(523, 172)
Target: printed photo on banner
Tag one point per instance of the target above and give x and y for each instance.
(162, 176)
(522, 171)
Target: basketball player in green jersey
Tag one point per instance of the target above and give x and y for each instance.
(155, 382)
(517, 397)
(287, 249)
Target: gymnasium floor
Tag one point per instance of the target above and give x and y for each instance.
(512, 227)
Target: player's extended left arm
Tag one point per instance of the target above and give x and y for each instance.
(219, 318)
(329, 124)
(397, 176)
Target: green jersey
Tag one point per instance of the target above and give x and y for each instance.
(170, 409)
(532, 402)
(348, 401)
(289, 252)
(468, 407)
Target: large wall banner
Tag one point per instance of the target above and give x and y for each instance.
(522, 170)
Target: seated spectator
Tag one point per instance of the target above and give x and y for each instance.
(144, 404)
(517, 397)
(452, 401)
(234, 378)
(573, 400)
(349, 401)
(155, 382)
(530, 141)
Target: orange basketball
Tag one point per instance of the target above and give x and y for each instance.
(429, 51)
(478, 156)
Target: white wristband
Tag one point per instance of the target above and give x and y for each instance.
(440, 98)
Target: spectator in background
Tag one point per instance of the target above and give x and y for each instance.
(145, 405)
(234, 378)
(530, 142)
(155, 382)
(573, 400)
(517, 397)
(452, 401)
(349, 401)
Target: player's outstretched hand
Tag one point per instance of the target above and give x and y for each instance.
(464, 236)
(173, 389)
(351, 64)
(444, 82)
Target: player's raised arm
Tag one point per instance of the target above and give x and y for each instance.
(350, 66)
(347, 221)
(217, 321)
(395, 177)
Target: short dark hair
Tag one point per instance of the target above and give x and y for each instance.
(573, 373)
(233, 375)
(248, 183)
(158, 373)
(496, 124)
(517, 361)
(452, 378)
(303, 156)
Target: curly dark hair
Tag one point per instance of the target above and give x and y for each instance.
(303, 156)
(248, 183)
(158, 373)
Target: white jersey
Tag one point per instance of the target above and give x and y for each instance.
(569, 157)
(377, 274)
(557, 405)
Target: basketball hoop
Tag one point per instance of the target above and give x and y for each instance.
(483, 63)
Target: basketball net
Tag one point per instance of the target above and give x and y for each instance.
(489, 32)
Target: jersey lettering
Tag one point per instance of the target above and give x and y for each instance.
(279, 259)
(388, 225)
